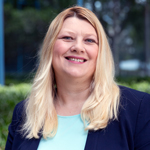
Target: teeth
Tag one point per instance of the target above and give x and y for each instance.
(78, 60)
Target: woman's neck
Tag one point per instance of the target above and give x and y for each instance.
(71, 96)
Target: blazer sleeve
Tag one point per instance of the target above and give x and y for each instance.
(16, 119)
(142, 132)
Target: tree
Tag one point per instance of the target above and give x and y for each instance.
(147, 37)
(120, 21)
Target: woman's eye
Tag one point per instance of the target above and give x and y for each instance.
(90, 40)
(67, 38)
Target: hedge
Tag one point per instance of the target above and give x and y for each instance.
(9, 97)
(141, 86)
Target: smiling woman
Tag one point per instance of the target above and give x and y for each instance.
(75, 104)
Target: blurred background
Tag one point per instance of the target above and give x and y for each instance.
(23, 24)
(126, 22)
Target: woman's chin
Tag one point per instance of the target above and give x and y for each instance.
(76, 75)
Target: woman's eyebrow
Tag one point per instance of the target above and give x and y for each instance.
(91, 34)
(68, 31)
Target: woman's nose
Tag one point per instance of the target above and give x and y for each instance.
(78, 46)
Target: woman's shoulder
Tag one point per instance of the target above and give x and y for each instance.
(128, 92)
(135, 115)
(20, 104)
(20, 107)
(133, 97)
(18, 113)
(134, 103)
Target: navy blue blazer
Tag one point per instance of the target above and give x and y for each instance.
(130, 132)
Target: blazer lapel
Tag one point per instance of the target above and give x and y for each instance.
(91, 142)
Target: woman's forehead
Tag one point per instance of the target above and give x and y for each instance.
(77, 24)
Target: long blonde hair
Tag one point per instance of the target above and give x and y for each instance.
(103, 102)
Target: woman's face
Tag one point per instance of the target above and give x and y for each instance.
(75, 50)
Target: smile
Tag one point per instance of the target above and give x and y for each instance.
(76, 59)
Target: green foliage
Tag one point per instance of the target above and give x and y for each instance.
(9, 97)
(138, 83)
(14, 79)
(141, 86)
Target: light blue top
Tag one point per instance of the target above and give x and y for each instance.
(70, 135)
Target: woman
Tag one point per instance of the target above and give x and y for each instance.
(74, 80)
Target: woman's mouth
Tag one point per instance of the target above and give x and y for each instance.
(76, 59)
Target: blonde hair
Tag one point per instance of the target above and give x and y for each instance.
(103, 102)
